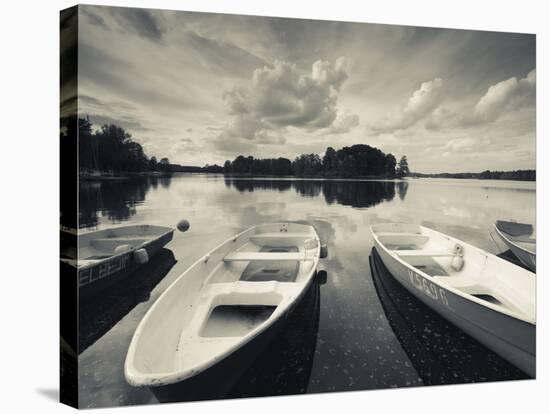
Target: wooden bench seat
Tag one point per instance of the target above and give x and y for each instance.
(389, 233)
(263, 256)
(280, 235)
(420, 253)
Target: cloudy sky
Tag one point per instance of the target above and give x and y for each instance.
(202, 88)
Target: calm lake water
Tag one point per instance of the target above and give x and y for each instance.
(355, 332)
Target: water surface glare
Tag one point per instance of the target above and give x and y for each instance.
(342, 338)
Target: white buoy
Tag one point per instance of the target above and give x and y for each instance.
(457, 262)
(123, 248)
(183, 225)
(141, 256)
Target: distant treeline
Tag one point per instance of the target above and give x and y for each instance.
(349, 162)
(111, 149)
(192, 169)
(518, 175)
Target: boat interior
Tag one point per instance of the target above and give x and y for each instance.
(280, 258)
(519, 233)
(229, 294)
(460, 266)
(102, 244)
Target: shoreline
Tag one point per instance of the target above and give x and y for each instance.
(123, 176)
(368, 178)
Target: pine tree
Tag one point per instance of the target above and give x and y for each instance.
(403, 167)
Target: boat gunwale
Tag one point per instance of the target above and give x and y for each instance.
(511, 241)
(470, 322)
(456, 291)
(138, 379)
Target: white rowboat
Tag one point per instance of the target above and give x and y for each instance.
(518, 237)
(106, 256)
(225, 300)
(489, 298)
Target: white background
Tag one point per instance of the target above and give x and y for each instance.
(29, 97)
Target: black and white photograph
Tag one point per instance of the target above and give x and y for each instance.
(257, 206)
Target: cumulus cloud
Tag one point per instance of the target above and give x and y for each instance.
(245, 132)
(510, 94)
(235, 100)
(246, 127)
(173, 67)
(441, 117)
(422, 103)
(343, 124)
(279, 96)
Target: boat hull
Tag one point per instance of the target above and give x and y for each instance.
(428, 339)
(511, 338)
(217, 381)
(239, 292)
(95, 279)
(527, 258)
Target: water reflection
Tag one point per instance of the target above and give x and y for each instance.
(356, 347)
(243, 185)
(440, 352)
(362, 194)
(324, 228)
(308, 188)
(99, 315)
(402, 188)
(115, 199)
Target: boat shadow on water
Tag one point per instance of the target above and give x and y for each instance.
(440, 352)
(98, 315)
(285, 366)
(277, 362)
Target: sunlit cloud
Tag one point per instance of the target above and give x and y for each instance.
(201, 88)
(421, 103)
(508, 95)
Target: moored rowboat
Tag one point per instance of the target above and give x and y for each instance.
(229, 298)
(518, 237)
(487, 297)
(104, 257)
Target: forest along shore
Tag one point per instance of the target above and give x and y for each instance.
(110, 153)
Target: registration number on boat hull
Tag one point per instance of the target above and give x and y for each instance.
(428, 288)
(95, 273)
